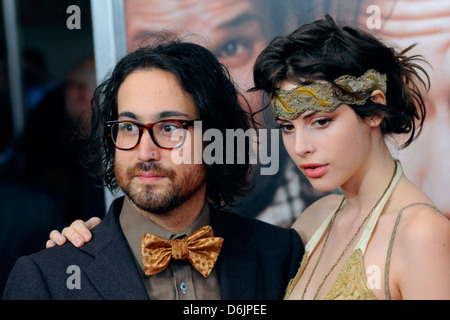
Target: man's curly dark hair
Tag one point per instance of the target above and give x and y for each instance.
(214, 94)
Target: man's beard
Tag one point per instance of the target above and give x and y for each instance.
(177, 191)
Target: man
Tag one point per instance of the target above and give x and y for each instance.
(143, 113)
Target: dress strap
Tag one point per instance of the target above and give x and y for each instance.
(367, 233)
(312, 243)
(391, 244)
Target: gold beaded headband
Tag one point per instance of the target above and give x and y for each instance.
(325, 96)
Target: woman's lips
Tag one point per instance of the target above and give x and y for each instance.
(314, 170)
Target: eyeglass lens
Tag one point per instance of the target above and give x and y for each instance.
(166, 134)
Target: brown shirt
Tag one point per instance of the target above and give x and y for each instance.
(180, 281)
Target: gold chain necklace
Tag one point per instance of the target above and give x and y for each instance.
(348, 245)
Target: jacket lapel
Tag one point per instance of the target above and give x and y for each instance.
(113, 271)
(237, 262)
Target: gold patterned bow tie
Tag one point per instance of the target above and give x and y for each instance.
(201, 248)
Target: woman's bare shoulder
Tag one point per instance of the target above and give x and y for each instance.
(421, 256)
(420, 218)
(313, 216)
(421, 222)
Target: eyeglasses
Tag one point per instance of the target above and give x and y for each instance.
(166, 134)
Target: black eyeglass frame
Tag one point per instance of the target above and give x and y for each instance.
(149, 127)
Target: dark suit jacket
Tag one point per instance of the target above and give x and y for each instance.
(256, 262)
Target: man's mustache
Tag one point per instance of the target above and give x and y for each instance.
(151, 167)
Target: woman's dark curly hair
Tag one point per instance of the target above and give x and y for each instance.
(326, 50)
(214, 94)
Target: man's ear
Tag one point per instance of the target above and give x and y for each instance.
(378, 96)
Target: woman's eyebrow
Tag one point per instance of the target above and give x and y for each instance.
(308, 114)
(304, 115)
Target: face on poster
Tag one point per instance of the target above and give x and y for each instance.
(427, 23)
(234, 30)
(237, 30)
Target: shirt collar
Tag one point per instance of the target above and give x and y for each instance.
(134, 225)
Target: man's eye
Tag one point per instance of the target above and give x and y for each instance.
(230, 49)
(169, 128)
(128, 128)
(235, 53)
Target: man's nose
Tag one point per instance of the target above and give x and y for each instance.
(147, 149)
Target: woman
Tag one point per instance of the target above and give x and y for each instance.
(337, 93)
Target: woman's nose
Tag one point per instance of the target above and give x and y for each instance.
(303, 145)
